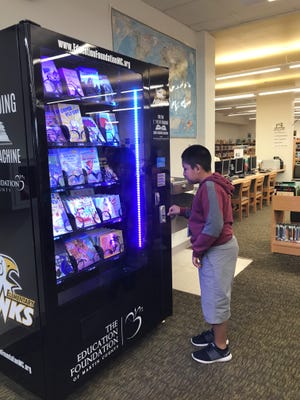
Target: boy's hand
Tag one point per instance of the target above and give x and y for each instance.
(174, 210)
(196, 262)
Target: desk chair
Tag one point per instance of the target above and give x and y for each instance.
(240, 200)
(256, 192)
(269, 187)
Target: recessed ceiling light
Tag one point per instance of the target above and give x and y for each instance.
(235, 97)
(257, 72)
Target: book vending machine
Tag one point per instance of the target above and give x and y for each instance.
(85, 250)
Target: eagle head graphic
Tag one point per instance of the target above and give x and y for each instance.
(9, 271)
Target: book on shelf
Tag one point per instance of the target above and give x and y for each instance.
(106, 88)
(70, 162)
(90, 81)
(108, 206)
(63, 266)
(71, 82)
(83, 251)
(60, 220)
(287, 232)
(55, 171)
(51, 79)
(53, 128)
(108, 174)
(83, 210)
(94, 134)
(108, 125)
(111, 242)
(90, 164)
(69, 116)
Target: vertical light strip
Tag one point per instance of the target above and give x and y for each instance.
(137, 169)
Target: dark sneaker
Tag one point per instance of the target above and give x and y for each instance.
(212, 354)
(204, 339)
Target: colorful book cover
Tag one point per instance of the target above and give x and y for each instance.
(83, 251)
(108, 175)
(90, 81)
(109, 127)
(69, 115)
(60, 221)
(90, 164)
(83, 210)
(95, 136)
(55, 171)
(70, 162)
(53, 129)
(72, 82)
(108, 205)
(105, 88)
(63, 266)
(51, 79)
(112, 243)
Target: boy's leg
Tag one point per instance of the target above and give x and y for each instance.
(220, 334)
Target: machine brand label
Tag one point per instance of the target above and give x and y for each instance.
(114, 336)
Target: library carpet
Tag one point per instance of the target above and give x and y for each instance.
(264, 337)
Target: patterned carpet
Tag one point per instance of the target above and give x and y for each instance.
(264, 337)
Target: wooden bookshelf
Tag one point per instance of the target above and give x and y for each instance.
(296, 153)
(281, 206)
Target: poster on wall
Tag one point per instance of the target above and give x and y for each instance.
(139, 41)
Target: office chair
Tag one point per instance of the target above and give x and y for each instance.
(256, 192)
(269, 187)
(240, 200)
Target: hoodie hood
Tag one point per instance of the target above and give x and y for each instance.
(220, 180)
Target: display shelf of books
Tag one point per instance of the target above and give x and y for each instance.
(285, 236)
(296, 155)
(81, 128)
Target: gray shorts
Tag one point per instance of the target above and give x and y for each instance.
(216, 278)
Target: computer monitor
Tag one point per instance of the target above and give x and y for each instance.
(226, 167)
(218, 166)
(253, 163)
(239, 166)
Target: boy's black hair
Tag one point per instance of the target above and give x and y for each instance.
(197, 154)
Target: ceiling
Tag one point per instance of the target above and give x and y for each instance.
(250, 35)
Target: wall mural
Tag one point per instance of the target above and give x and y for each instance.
(137, 40)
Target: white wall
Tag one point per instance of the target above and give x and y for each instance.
(234, 131)
(90, 21)
(273, 110)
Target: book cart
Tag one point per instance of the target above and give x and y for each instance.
(281, 207)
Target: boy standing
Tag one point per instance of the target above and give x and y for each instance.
(215, 250)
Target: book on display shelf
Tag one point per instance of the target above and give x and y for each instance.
(90, 164)
(83, 210)
(53, 128)
(60, 220)
(94, 134)
(111, 242)
(108, 175)
(69, 116)
(71, 82)
(55, 171)
(106, 88)
(90, 81)
(83, 251)
(108, 206)
(63, 266)
(70, 162)
(51, 79)
(109, 127)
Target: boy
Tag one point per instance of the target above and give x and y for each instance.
(215, 250)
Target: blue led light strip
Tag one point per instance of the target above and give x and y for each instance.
(137, 169)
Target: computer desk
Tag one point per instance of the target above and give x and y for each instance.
(254, 176)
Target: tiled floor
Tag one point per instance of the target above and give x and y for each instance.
(185, 275)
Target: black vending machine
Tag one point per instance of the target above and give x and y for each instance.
(85, 244)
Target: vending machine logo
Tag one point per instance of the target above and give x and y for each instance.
(12, 305)
(133, 323)
(4, 139)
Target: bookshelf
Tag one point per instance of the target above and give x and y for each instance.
(281, 206)
(296, 153)
(225, 150)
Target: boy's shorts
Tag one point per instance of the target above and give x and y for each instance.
(216, 277)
